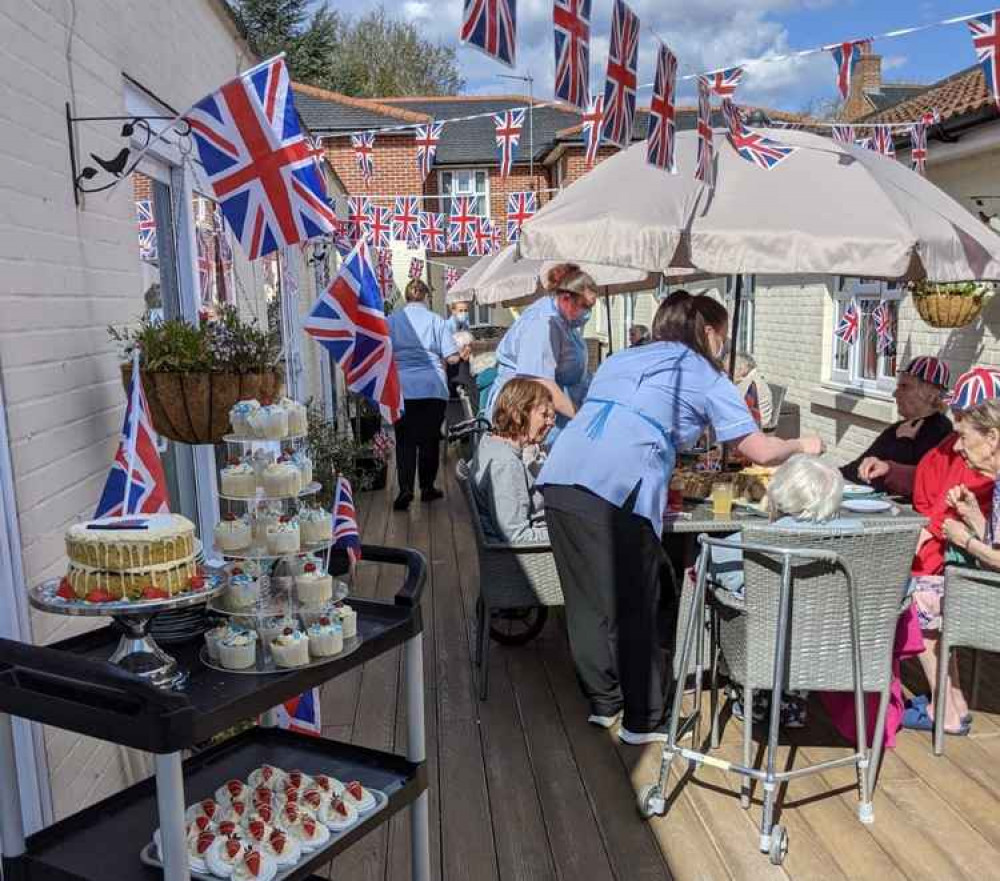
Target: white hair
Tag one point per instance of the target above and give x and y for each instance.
(806, 488)
(462, 338)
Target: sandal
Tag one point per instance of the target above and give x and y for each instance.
(922, 700)
(916, 719)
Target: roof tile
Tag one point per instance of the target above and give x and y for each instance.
(959, 94)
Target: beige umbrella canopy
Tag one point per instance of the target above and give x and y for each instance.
(826, 209)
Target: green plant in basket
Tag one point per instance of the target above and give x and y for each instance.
(952, 304)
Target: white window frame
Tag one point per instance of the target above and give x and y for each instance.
(748, 308)
(470, 187)
(858, 290)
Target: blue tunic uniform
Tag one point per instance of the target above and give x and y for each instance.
(420, 340)
(643, 405)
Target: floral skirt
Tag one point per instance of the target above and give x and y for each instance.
(927, 591)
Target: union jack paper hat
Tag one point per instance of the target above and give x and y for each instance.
(977, 385)
(930, 370)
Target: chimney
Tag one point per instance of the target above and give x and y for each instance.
(867, 78)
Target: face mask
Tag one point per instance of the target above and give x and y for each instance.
(581, 319)
(462, 319)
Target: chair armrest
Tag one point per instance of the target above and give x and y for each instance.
(986, 576)
(498, 547)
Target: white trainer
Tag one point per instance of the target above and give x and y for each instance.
(603, 721)
(638, 738)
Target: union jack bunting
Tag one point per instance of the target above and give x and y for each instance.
(571, 22)
(508, 134)
(451, 277)
(761, 151)
(918, 148)
(849, 325)
(406, 221)
(622, 74)
(359, 216)
(661, 136)
(882, 141)
(975, 386)
(846, 56)
(461, 223)
(497, 238)
(593, 123)
(260, 165)
(723, 82)
(343, 238)
(147, 229)
(205, 241)
(349, 320)
(416, 268)
(481, 241)
(986, 40)
(301, 714)
(345, 520)
(931, 117)
(929, 369)
(882, 320)
(433, 231)
(705, 170)
(381, 227)
(364, 154)
(865, 143)
(427, 137)
(147, 491)
(383, 272)
(521, 207)
(733, 117)
(843, 134)
(491, 26)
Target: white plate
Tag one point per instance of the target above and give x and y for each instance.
(858, 489)
(867, 506)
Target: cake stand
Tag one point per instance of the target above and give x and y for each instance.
(137, 651)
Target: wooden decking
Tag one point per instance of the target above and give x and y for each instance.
(523, 788)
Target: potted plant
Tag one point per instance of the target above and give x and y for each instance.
(334, 454)
(950, 305)
(193, 374)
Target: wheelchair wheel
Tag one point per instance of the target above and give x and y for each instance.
(517, 626)
(779, 845)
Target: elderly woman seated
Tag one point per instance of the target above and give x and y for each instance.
(503, 486)
(754, 388)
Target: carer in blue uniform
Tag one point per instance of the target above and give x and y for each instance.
(605, 486)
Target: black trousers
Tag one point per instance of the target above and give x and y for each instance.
(418, 441)
(610, 563)
(460, 374)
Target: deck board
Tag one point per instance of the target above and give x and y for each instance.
(523, 789)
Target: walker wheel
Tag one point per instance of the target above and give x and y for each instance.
(779, 845)
(647, 795)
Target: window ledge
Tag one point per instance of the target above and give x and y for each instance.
(848, 400)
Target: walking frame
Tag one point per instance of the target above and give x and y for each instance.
(773, 837)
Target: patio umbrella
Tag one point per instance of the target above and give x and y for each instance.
(826, 209)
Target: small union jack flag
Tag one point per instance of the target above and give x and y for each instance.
(660, 139)
(261, 167)
(849, 325)
(364, 154)
(301, 714)
(986, 40)
(918, 148)
(846, 56)
(571, 21)
(975, 386)
(882, 320)
(593, 124)
(761, 151)
(882, 142)
(931, 117)
(723, 82)
(147, 229)
(481, 242)
(383, 272)
(733, 117)
(345, 520)
(705, 169)
(929, 369)
(359, 216)
(491, 26)
(521, 207)
(451, 277)
(205, 241)
(416, 268)
(622, 76)
(349, 320)
(427, 138)
(406, 221)
(843, 134)
(381, 227)
(433, 231)
(462, 222)
(508, 133)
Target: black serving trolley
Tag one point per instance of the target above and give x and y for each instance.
(72, 685)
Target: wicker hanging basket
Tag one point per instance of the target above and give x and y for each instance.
(950, 305)
(193, 408)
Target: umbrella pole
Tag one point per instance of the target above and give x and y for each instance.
(737, 296)
(611, 330)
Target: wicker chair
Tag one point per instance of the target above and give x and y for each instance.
(511, 576)
(970, 613)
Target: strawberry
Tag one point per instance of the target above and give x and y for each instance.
(230, 517)
(295, 779)
(313, 798)
(99, 596)
(279, 841)
(202, 823)
(263, 796)
(155, 593)
(66, 590)
(266, 772)
(233, 848)
(324, 622)
(227, 827)
(321, 780)
(291, 796)
(209, 808)
(309, 826)
(205, 841)
(265, 813)
(309, 567)
(252, 862)
(234, 787)
(257, 828)
(196, 582)
(339, 806)
(239, 808)
(356, 790)
(290, 814)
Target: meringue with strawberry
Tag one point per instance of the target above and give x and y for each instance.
(284, 849)
(359, 798)
(267, 775)
(230, 791)
(338, 815)
(223, 856)
(255, 866)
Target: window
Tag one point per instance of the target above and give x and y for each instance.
(748, 315)
(867, 364)
(468, 182)
(480, 314)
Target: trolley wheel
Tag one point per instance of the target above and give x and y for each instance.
(517, 626)
(644, 801)
(779, 844)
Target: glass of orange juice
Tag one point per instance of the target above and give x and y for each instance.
(722, 498)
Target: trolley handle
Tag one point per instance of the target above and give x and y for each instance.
(416, 570)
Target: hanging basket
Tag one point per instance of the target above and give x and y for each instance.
(193, 408)
(947, 306)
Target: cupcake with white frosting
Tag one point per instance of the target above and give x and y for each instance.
(298, 417)
(239, 417)
(313, 586)
(233, 533)
(264, 518)
(242, 591)
(238, 480)
(270, 628)
(290, 648)
(283, 536)
(348, 620)
(281, 479)
(326, 638)
(316, 525)
(270, 422)
(238, 651)
(302, 461)
(212, 639)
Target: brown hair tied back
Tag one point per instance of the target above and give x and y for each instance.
(682, 318)
(570, 278)
(417, 291)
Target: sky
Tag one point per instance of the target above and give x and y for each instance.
(708, 34)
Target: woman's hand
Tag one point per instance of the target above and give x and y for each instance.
(956, 533)
(872, 468)
(964, 503)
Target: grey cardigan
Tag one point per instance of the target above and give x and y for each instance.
(503, 487)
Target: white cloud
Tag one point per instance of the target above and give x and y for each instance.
(894, 62)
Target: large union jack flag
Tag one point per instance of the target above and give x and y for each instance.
(882, 321)
(986, 40)
(593, 124)
(147, 229)
(763, 152)
(918, 147)
(433, 231)
(491, 26)
(345, 520)
(261, 167)
(723, 82)
(705, 168)
(660, 140)
(381, 227)
(849, 325)
(359, 216)
(882, 142)
(846, 56)
(571, 21)
(975, 386)
(462, 222)
(406, 221)
(349, 320)
(427, 138)
(843, 134)
(364, 154)
(521, 207)
(146, 493)
(508, 134)
(623, 70)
